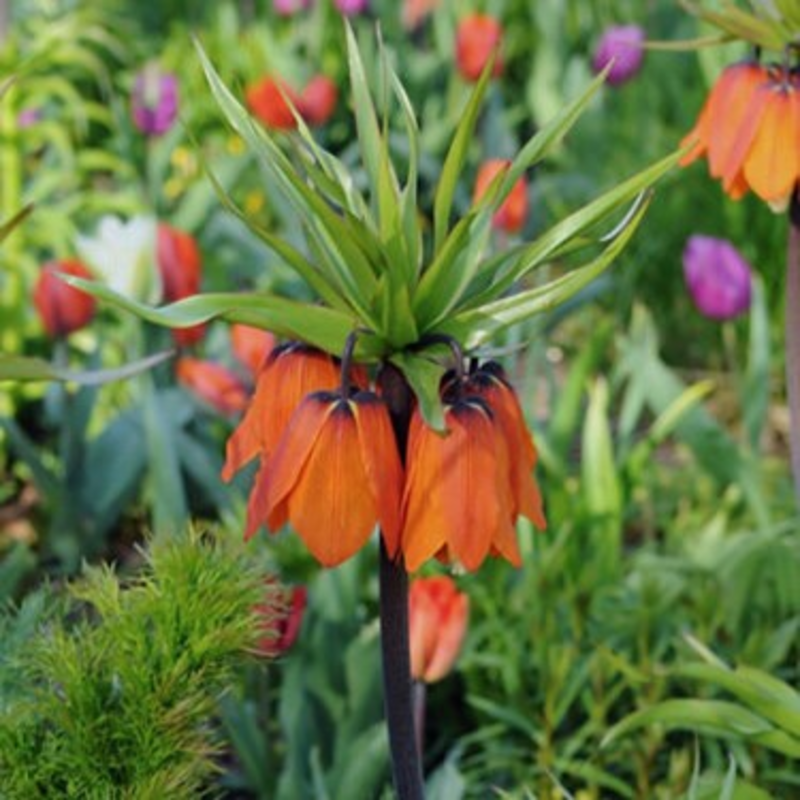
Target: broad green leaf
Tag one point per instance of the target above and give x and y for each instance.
(456, 156)
(23, 368)
(475, 327)
(712, 717)
(397, 318)
(424, 376)
(316, 325)
(764, 694)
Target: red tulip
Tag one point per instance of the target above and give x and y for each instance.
(317, 102)
(437, 622)
(213, 383)
(267, 100)
(478, 36)
(179, 262)
(62, 308)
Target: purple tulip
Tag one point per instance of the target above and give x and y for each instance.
(718, 277)
(622, 44)
(28, 117)
(285, 8)
(350, 7)
(154, 103)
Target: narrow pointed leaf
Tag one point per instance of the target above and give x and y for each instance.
(9, 225)
(424, 377)
(23, 368)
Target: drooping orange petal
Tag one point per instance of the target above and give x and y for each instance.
(730, 130)
(244, 443)
(424, 523)
(467, 484)
(328, 505)
(773, 163)
(382, 464)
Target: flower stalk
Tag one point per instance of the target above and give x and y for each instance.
(792, 334)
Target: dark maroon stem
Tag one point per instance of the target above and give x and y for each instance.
(397, 686)
(420, 693)
(793, 337)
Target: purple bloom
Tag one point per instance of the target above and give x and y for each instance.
(350, 7)
(154, 103)
(622, 44)
(27, 117)
(286, 8)
(718, 277)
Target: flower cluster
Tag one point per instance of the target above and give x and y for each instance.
(749, 130)
(330, 464)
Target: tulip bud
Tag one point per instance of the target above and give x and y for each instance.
(285, 8)
(179, 263)
(718, 277)
(62, 308)
(622, 45)
(154, 102)
(317, 102)
(513, 213)
(478, 36)
(267, 100)
(437, 618)
(351, 7)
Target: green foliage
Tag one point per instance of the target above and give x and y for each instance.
(116, 698)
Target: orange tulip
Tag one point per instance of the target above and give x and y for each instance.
(213, 383)
(335, 474)
(437, 623)
(317, 101)
(289, 373)
(478, 36)
(251, 346)
(749, 129)
(267, 100)
(61, 307)
(513, 212)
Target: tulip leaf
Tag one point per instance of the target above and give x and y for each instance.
(475, 327)
(424, 376)
(712, 717)
(317, 325)
(456, 156)
(23, 368)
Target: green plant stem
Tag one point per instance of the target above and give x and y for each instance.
(793, 337)
(397, 685)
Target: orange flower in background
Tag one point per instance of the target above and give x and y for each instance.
(288, 374)
(415, 12)
(749, 129)
(62, 308)
(267, 101)
(317, 101)
(213, 383)
(513, 213)
(251, 346)
(478, 36)
(335, 474)
(437, 624)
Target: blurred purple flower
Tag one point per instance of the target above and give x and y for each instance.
(718, 277)
(350, 7)
(154, 102)
(27, 117)
(286, 8)
(622, 44)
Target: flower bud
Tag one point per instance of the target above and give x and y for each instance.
(351, 7)
(478, 36)
(213, 383)
(621, 44)
(154, 102)
(62, 308)
(267, 100)
(513, 213)
(718, 277)
(317, 101)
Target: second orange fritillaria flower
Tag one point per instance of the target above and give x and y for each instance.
(213, 383)
(335, 474)
(749, 130)
(513, 213)
(437, 624)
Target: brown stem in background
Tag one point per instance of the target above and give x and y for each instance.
(397, 686)
(792, 335)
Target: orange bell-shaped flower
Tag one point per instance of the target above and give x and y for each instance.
(290, 372)
(437, 623)
(457, 499)
(335, 474)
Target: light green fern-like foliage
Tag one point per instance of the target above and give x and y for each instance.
(121, 704)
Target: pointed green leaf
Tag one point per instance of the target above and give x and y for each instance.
(317, 325)
(456, 156)
(23, 368)
(477, 326)
(9, 225)
(424, 376)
